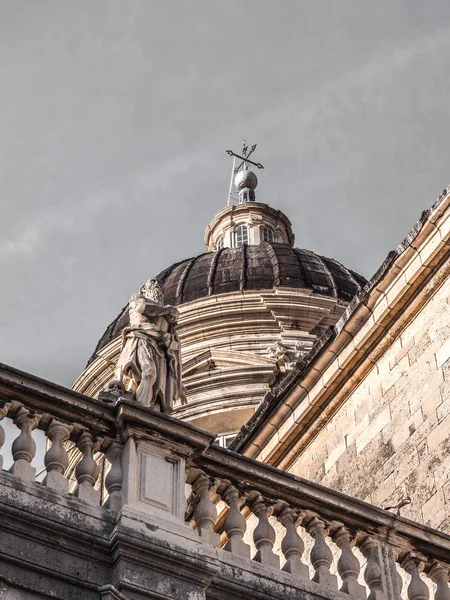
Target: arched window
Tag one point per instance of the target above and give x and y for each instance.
(219, 244)
(240, 235)
(267, 234)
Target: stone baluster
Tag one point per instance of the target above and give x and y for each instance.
(205, 512)
(417, 588)
(235, 524)
(321, 556)
(24, 447)
(348, 565)
(56, 458)
(398, 577)
(87, 470)
(264, 534)
(439, 574)
(372, 573)
(114, 479)
(4, 407)
(292, 545)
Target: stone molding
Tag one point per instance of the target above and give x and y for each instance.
(109, 592)
(308, 397)
(142, 545)
(226, 366)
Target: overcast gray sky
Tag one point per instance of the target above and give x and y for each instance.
(114, 119)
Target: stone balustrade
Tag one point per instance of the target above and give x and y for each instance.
(383, 538)
(151, 456)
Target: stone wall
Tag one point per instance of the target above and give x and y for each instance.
(145, 542)
(391, 438)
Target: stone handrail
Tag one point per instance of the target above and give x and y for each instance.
(383, 537)
(63, 416)
(144, 446)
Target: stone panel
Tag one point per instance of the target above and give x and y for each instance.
(392, 434)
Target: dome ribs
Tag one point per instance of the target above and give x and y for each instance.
(346, 284)
(243, 278)
(172, 283)
(228, 273)
(260, 271)
(304, 273)
(164, 275)
(318, 276)
(275, 265)
(196, 278)
(328, 275)
(260, 267)
(288, 271)
(182, 281)
(360, 280)
(212, 271)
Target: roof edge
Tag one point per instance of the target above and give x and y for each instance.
(274, 397)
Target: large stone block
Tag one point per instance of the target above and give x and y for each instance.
(439, 434)
(432, 506)
(384, 491)
(374, 428)
(420, 346)
(443, 355)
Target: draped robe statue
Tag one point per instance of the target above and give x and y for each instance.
(149, 365)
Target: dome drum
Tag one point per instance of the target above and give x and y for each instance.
(255, 216)
(245, 314)
(263, 267)
(249, 309)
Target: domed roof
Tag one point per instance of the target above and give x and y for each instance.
(261, 267)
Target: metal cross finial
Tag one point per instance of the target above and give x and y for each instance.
(244, 157)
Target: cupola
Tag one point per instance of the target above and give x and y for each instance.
(249, 307)
(244, 221)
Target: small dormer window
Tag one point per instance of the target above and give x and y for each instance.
(220, 243)
(240, 235)
(267, 234)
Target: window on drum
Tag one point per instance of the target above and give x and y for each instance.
(267, 234)
(240, 235)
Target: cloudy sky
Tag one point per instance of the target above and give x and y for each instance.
(114, 120)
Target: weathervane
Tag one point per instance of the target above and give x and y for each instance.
(244, 158)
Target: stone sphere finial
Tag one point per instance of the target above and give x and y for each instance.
(245, 179)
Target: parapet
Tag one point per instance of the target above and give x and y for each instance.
(240, 531)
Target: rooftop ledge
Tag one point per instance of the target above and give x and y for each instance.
(145, 535)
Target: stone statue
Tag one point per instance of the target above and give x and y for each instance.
(149, 365)
(284, 356)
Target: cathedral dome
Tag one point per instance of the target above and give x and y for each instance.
(260, 267)
(249, 309)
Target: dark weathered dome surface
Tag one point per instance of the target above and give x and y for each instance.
(260, 267)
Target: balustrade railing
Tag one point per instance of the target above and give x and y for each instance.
(229, 492)
(244, 487)
(68, 421)
(56, 459)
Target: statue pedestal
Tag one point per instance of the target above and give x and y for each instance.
(153, 480)
(153, 469)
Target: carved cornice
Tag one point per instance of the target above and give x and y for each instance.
(224, 342)
(373, 321)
